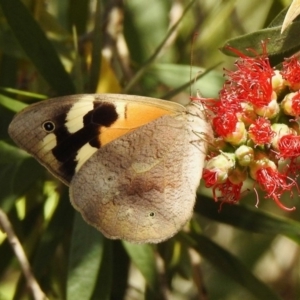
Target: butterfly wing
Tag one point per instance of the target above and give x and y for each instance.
(141, 187)
(63, 133)
(133, 163)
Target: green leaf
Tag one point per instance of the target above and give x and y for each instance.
(251, 219)
(85, 260)
(159, 48)
(12, 104)
(10, 154)
(104, 281)
(5, 118)
(24, 93)
(37, 47)
(18, 172)
(79, 13)
(278, 20)
(229, 265)
(208, 82)
(97, 48)
(53, 235)
(277, 44)
(143, 256)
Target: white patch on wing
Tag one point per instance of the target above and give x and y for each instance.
(74, 119)
(49, 142)
(121, 108)
(83, 154)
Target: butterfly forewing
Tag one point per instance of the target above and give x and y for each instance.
(81, 125)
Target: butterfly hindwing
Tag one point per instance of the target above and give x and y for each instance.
(140, 187)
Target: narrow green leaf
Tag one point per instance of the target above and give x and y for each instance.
(78, 14)
(10, 154)
(281, 45)
(158, 49)
(6, 116)
(85, 260)
(104, 281)
(251, 219)
(37, 47)
(278, 20)
(121, 270)
(52, 236)
(23, 93)
(143, 256)
(18, 172)
(12, 104)
(97, 48)
(229, 265)
(9, 65)
(207, 81)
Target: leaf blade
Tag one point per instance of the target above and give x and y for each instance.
(229, 265)
(37, 47)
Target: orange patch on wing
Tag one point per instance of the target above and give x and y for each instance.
(134, 116)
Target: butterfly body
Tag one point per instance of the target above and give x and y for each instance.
(133, 163)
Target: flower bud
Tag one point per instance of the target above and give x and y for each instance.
(244, 155)
(278, 83)
(280, 130)
(237, 176)
(221, 165)
(238, 136)
(259, 164)
(271, 110)
(291, 104)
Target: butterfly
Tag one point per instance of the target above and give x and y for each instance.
(132, 163)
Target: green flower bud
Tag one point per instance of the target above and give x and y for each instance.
(244, 155)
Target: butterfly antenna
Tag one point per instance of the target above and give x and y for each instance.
(192, 59)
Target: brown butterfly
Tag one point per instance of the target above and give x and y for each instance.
(132, 163)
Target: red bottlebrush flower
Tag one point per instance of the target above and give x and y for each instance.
(291, 104)
(274, 184)
(296, 104)
(261, 132)
(225, 122)
(253, 109)
(210, 177)
(217, 169)
(289, 146)
(229, 99)
(291, 72)
(229, 192)
(252, 81)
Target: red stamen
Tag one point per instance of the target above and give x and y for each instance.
(225, 123)
(252, 81)
(291, 72)
(260, 131)
(289, 146)
(210, 177)
(275, 184)
(230, 192)
(296, 104)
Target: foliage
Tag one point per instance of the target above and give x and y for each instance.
(54, 48)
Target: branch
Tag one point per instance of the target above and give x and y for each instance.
(33, 285)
